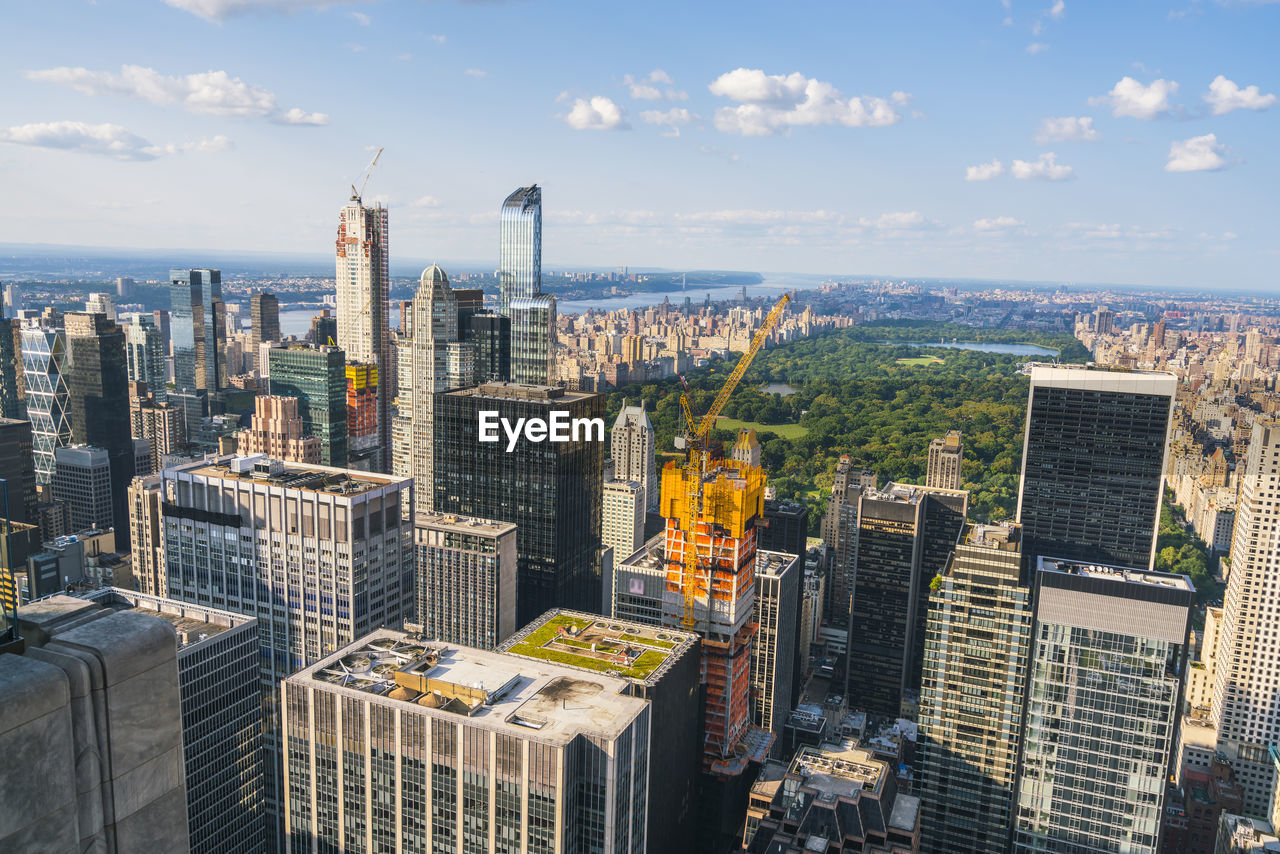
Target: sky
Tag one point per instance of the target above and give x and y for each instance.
(1056, 140)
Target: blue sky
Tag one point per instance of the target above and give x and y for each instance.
(901, 138)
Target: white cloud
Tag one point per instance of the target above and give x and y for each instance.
(897, 221)
(1046, 168)
(646, 88)
(1225, 96)
(361, 18)
(1131, 98)
(405, 57)
(1037, 47)
(110, 140)
(214, 93)
(475, 72)
(1067, 129)
(437, 38)
(1198, 154)
(597, 113)
(730, 156)
(999, 223)
(425, 202)
(1057, 10)
(984, 171)
(774, 103)
(220, 10)
(674, 118)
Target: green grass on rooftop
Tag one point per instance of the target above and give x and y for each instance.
(535, 646)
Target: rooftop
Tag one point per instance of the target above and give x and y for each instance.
(193, 624)
(493, 690)
(463, 524)
(773, 563)
(311, 478)
(836, 770)
(1115, 573)
(521, 391)
(1005, 537)
(602, 645)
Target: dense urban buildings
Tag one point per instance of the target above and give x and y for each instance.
(550, 490)
(1248, 654)
(1104, 689)
(1092, 463)
(400, 743)
(466, 585)
(977, 647)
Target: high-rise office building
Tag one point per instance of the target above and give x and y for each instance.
(977, 647)
(659, 665)
(324, 328)
(466, 579)
(158, 423)
(550, 490)
(401, 744)
(44, 354)
(945, 456)
(773, 653)
(1104, 688)
(92, 733)
(97, 403)
(276, 429)
(489, 334)
(520, 297)
(1248, 654)
(145, 355)
(264, 318)
(363, 288)
(99, 303)
(17, 470)
(146, 534)
(784, 527)
(840, 534)
(221, 718)
(905, 536)
(431, 360)
(12, 387)
(319, 555)
(1092, 463)
(317, 377)
(631, 446)
(82, 481)
(124, 287)
(622, 523)
(198, 336)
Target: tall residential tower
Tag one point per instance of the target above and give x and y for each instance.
(520, 297)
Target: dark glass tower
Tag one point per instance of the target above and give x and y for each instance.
(550, 490)
(198, 335)
(490, 334)
(317, 377)
(264, 318)
(98, 389)
(1092, 463)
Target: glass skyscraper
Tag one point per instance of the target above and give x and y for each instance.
(1109, 654)
(44, 350)
(144, 349)
(520, 297)
(1093, 461)
(317, 377)
(198, 335)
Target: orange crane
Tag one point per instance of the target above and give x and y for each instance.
(693, 439)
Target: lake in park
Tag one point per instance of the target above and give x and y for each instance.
(989, 347)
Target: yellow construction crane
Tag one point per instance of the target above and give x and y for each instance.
(693, 439)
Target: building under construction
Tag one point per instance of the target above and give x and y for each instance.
(364, 450)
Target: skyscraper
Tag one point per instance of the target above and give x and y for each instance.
(433, 747)
(17, 470)
(198, 335)
(1108, 660)
(622, 523)
(432, 359)
(44, 352)
(945, 456)
(978, 642)
(145, 355)
(466, 579)
(773, 658)
(363, 288)
(221, 718)
(905, 535)
(550, 490)
(1093, 461)
(97, 404)
(264, 318)
(82, 481)
(317, 377)
(520, 297)
(840, 534)
(490, 335)
(92, 733)
(12, 389)
(99, 303)
(276, 429)
(319, 555)
(632, 449)
(1248, 655)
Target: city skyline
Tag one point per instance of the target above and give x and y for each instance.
(1130, 147)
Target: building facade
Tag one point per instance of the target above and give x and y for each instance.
(466, 579)
(146, 356)
(520, 297)
(44, 356)
(945, 456)
(198, 339)
(276, 429)
(264, 318)
(631, 446)
(363, 289)
(17, 470)
(82, 481)
(317, 377)
(1093, 461)
(622, 525)
(773, 654)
